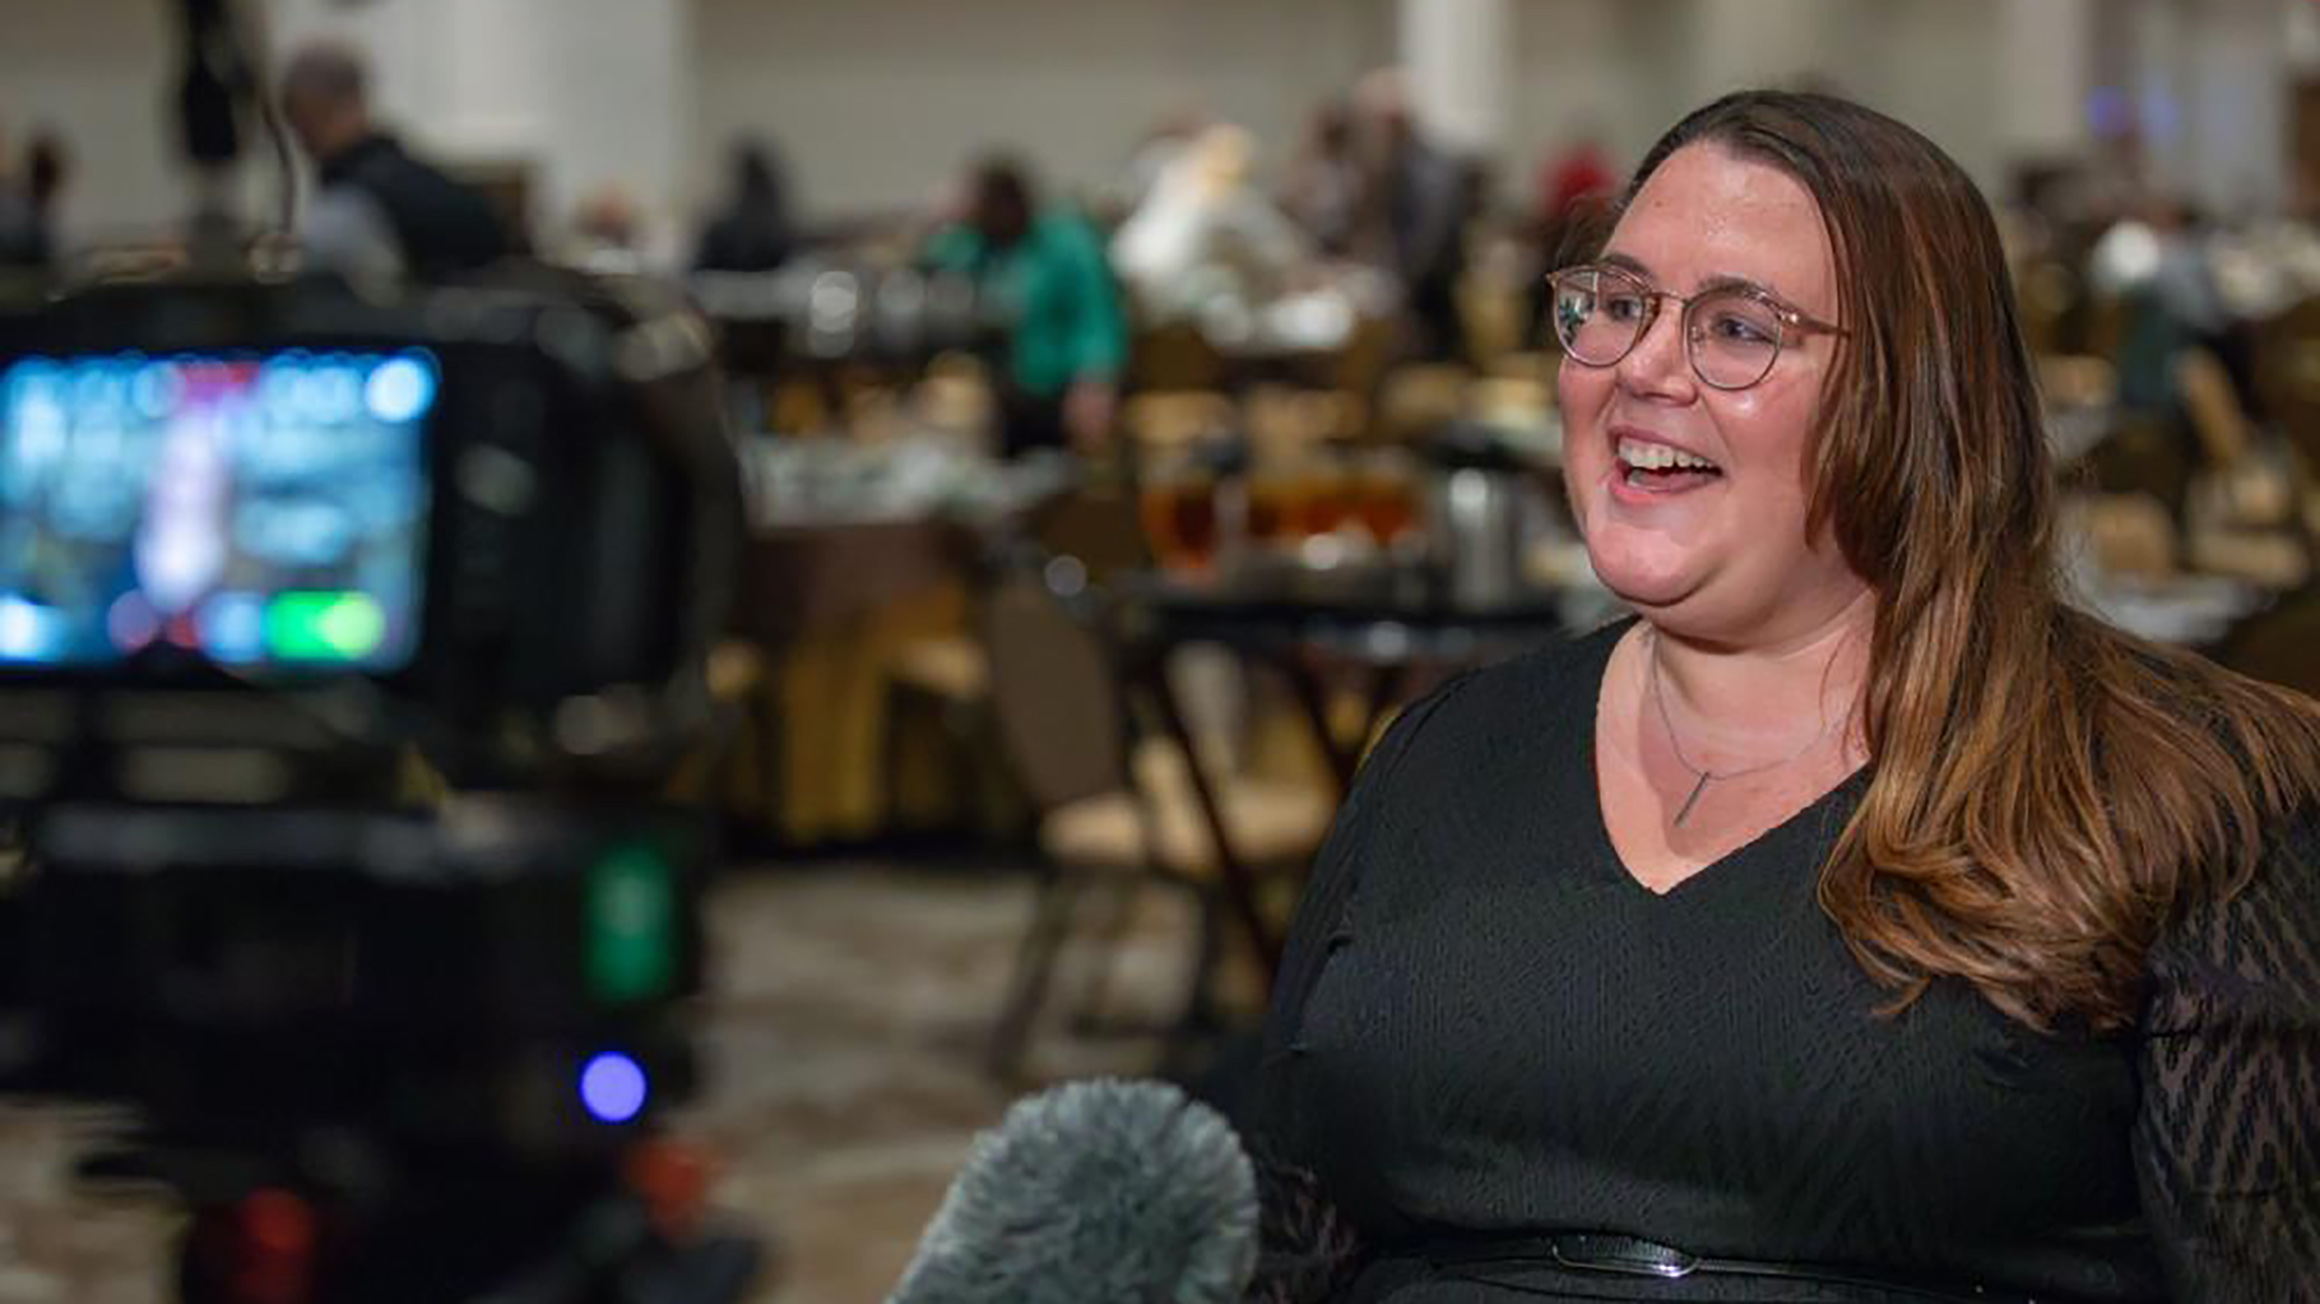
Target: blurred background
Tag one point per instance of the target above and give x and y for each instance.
(1138, 402)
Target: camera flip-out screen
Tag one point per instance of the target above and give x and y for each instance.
(264, 512)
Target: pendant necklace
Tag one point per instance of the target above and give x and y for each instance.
(1701, 778)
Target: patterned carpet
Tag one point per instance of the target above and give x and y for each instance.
(849, 1010)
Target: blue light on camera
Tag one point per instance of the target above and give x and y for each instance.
(400, 389)
(613, 1087)
(29, 632)
(131, 623)
(233, 628)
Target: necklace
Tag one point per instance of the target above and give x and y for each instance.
(1701, 777)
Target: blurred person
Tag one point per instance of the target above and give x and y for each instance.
(754, 231)
(608, 231)
(1167, 138)
(1416, 202)
(377, 212)
(23, 236)
(48, 169)
(1860, 920)
(1066, 332)
(1321, 190)
(1577, 174)
(1574, 184)
(1204, 232)
(2157, 259)
(2184, 286)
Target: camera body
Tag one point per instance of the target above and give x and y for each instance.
(493, 521)
(342, 643)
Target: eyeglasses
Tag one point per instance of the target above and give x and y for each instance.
(1732, 334)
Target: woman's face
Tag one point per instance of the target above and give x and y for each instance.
(1720, 554)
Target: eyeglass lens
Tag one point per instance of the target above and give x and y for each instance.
(1731, 337)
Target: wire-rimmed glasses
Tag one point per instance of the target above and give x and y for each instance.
(1732, 332)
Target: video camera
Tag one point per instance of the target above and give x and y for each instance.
(342, 642)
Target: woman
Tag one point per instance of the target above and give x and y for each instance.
(1203, 233)
(1321, 189)
(1860, 922)
(754, 232)
(1066, 331)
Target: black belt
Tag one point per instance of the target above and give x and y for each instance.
(1632, 1256)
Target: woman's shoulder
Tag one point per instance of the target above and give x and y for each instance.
(1548, 692)
(1562, 675)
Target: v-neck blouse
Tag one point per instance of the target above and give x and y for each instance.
(1485, 1025)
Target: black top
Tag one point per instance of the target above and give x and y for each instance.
(1486, 1028)
(442, 226)
(24, 236)
(746, 238)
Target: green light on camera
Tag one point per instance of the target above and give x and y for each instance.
(354, 626)
(632, 924)
(324, 626)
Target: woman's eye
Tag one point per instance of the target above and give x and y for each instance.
(1741, 328)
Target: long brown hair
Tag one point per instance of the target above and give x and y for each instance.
(2046, 789)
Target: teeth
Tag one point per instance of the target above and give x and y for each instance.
(1646, 456)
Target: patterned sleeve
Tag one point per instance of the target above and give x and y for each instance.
(2227, 1141)
(1328, 894)
(1308, 1251)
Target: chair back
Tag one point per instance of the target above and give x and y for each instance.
(1055, 692)
(1168, 421)
(2276, 644)
(1174, 356)
(2288, 375)
(2217, 418)
(1098, 525)
(2046, 292)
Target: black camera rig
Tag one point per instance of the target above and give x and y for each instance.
(342, 641)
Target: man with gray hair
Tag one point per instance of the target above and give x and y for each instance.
(377, 211)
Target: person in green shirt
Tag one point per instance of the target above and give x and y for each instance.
(1066, 329)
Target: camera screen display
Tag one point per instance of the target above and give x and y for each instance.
(265, 512)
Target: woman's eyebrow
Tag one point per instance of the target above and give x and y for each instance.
(1742, 283)
(1630, 263)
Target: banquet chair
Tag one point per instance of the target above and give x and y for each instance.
(2243, 515)
(2288, 378)
(2225, 433)
(1164, 421)
(2046, 292)
(2128, 534)
(2279, 644)
(1173, 356)
(1114, 804)
(1418, 399)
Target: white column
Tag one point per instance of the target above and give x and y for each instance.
(2237, 105)
(2302, 39)
(623, 101)
(1574, 75)
(1459, 56)
(1740, 44)
(2046, 70)
(2210, 83)
(494, 71)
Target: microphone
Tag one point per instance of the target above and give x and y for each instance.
(1105, 1191)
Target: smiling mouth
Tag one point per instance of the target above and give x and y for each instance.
(1663, 469)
